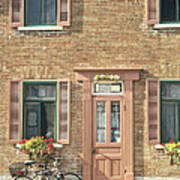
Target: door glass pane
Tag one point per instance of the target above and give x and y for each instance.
(101, 121)
(168, 10)
(32, 120)
(169, 122)
(33, 12)
(50, 11)
(115, 121)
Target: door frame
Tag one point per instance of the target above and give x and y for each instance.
(109, 146)
(127, 75)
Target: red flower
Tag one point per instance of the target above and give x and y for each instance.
(22, 142)
(163, 144)
(171, 142)
(46, 140)
(51, 140)
(50, 146)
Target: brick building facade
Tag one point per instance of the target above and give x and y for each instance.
(107, 37)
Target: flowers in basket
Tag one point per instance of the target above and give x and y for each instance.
(173, 150)
(36, 147)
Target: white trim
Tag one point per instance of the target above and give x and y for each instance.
(41, 28)
(166, 26)
(156, 178)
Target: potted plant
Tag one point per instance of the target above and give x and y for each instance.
(36, 147)
(173, 150)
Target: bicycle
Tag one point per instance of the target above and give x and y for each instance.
(21, 171)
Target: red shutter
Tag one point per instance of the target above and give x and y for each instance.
(16, 12)
(64, 12)
(153, 91)
(64, 112)
(15, 112)
(153, 12)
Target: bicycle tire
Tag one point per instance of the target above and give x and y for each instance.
(71, 176)
(23, 178)
(44, 177)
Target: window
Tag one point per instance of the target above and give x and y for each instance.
(170, 106)
(40, 12)
(44, 110)
(163, 11)
(39, 104)
(163, 100)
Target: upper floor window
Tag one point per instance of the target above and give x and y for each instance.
(163, 11)
(170, 11)
(40, 12)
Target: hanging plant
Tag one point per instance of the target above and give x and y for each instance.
(111, 77)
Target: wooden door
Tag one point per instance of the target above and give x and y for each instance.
(107, 138)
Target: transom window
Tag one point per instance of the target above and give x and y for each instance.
(107, 87)
(170, 11)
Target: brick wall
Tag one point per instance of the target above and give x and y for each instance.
(103, 34)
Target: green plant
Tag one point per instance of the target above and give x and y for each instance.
(36, 147)
(173, 150)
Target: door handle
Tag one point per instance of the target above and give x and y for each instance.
(93, 150)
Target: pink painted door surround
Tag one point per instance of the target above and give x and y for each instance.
(107, 160)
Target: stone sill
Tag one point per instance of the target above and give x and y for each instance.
(166, 26)
(41, 28)
(156, 178)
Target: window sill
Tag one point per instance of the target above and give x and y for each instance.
(41, 28)
(159, 147)
(166, 26)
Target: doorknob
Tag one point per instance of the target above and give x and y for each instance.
(93, 150)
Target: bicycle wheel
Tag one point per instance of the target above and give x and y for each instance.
(71, 176)
(45, 177)
(23, 178)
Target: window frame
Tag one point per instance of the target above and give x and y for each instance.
(169, 101)
(13, 140)
(40, 101)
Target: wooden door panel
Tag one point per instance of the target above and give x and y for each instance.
(107, 167)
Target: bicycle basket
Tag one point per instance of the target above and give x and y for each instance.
(17, 169)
